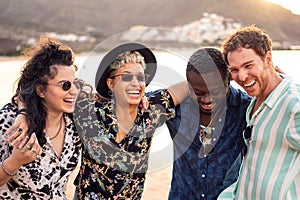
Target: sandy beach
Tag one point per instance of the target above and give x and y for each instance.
(158, 180)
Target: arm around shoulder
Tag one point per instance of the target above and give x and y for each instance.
(179, 92)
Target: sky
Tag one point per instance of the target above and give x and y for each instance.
(293, 5)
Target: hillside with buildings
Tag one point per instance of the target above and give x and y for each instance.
(83, 24)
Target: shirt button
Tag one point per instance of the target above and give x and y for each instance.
(203, 175)
(203, 195)
(214, 139)
(220, 120)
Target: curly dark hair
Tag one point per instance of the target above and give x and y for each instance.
(208, 59)
(38, 70)
(250, 37)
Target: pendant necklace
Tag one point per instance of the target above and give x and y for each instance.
(205, 138)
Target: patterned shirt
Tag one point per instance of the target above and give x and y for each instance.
(112, 170)
(197, 175)
(271, 169)
(47, 176)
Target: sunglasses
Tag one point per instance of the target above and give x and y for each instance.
(65, 85)
(129, 77)
(247, 133)
(205, 138)
(247, 136)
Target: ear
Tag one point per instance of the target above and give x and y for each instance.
(110, 84)
(39, 91)
(268, 58)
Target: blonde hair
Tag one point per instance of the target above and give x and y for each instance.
(127, 57)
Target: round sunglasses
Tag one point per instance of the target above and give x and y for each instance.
(65, 85)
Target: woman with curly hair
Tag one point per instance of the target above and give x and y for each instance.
(36, 163)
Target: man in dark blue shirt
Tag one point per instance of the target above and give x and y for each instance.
(207, 130)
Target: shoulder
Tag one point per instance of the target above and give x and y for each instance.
(7, 116)
(238, 97)
(8, 112)
(162, 94)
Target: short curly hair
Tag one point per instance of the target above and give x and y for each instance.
(208, 59)
(127, 57)
(250, 37)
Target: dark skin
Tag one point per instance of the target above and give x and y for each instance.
(210, 93)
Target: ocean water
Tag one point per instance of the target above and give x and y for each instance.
(171, 69)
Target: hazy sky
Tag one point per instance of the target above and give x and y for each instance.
(293, 5)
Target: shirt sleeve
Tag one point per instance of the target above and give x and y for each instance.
(161, 106)
(293, 135)
(7, 116)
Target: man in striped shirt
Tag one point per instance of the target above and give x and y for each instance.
(271, 166)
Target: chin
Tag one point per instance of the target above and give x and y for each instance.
(68, 111)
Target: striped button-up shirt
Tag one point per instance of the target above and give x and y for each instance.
(271, 168)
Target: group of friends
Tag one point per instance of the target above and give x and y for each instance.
(227, 143)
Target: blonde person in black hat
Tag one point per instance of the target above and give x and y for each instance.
(36, 162)
(116, 134)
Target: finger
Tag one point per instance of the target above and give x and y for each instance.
(33, 149)
(20, 122)
(39, 150)
(32, 139)
(16, 137)
(13, 134)
(145, 102)
(23, 142)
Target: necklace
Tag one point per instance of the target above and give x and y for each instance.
(60, 125)
(205, 137)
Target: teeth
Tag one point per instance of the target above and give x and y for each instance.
(133, 92)
(70, 100)
(249, 84)
(207, 105)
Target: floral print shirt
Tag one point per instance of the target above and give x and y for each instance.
(47, 176)
(112, 170)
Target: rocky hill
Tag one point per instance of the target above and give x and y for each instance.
(83, 24)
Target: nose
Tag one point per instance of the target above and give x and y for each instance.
(206, 98)
(74, 90)
(242, 75)
(135, 81)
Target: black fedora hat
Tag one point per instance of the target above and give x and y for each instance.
(103, 74)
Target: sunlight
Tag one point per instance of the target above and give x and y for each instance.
(292, 5)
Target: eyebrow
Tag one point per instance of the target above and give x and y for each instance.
(245, 63)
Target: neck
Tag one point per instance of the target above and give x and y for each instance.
(126, 115)
(273, 82)
(205, 119)
(53, 121)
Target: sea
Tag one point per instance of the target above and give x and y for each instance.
(171, 69)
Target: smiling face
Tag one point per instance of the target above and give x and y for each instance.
(210, 90)
(251, 71)
(54, 97)
(127, 92)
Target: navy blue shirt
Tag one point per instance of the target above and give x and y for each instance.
(195, 174)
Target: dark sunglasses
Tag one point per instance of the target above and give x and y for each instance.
(65, 85)
(129, 77)
(247, 135)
